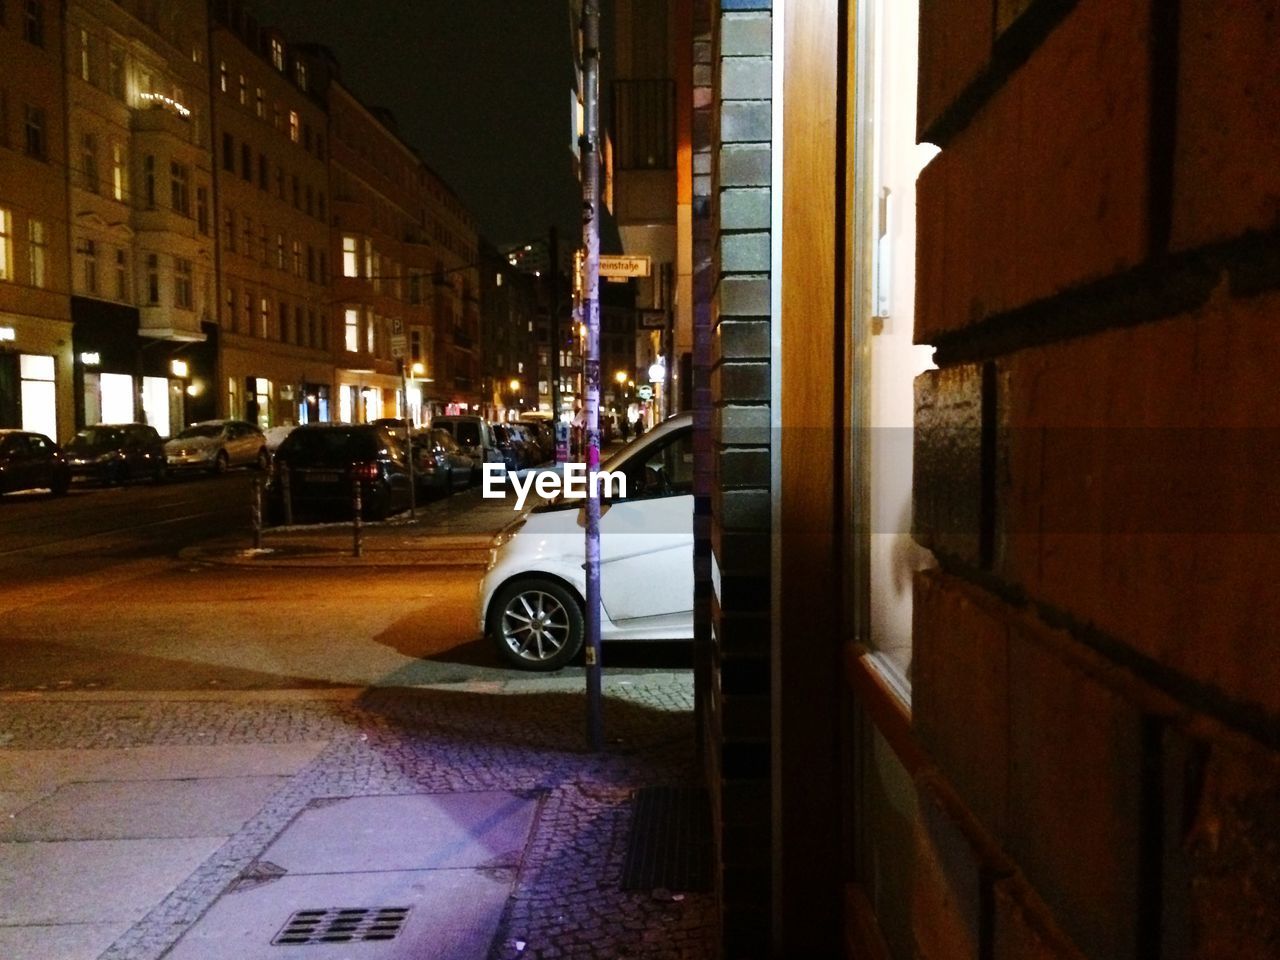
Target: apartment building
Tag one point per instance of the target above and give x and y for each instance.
(456, 283)
(141, 229)
(270, 146)
(382, 306)
(36, 367)
(508, 308)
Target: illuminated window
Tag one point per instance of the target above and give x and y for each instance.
(244, 90)
(117, 171)
(86, 66)
(6, 244)
(351, 327)
(350, 257)
(277, 55)
(260, 103)
(300, 72)
(264, 316)
(297, 258)
(370, 338)
(222, 76)
(279, 251)
(293, 125)
(37, 247)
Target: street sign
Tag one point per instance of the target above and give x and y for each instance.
(624, 266)
(399, 344)
(644, 392)
(653, 319)
(397, 326)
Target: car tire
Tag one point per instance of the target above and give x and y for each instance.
(160, 474)
(263, 463)
(536, 624)
(221, 462)
(61, 483)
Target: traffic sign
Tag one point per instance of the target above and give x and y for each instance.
(624, 266)
(399, 345)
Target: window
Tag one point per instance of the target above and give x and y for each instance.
(350, 256)
(260, 103)
(264, 316)
(89, 254)
(179, 189)
(297, 258)
(244, 90)
(115, 73)
(248, 236)
(117, 171)
(6, 244)
(277, 54)
(263, 172)
(228, 153)
(153, 278)
(275, 116)
(89, 161)
(311, 263)
(4, 118)
(122, 275)
(248, 311)
(324, 267)
(306, 136)
(222, 76)
(149, 181)
(284, 322)
(319, 146)
(37, 146)
(280, 182)
(279, 251)
(300, 74)
(351, 327)
(229, 322)
(246, 162)
(37, 248)
(370, 333)
(310, 200)
(202, 210)
(229, 229)
(297, 192)
(86, 72)
(33, 22)
(293, 125)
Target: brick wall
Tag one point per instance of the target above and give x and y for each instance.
(738, 50)
(1096, 682)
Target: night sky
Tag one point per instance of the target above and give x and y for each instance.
(480, 87)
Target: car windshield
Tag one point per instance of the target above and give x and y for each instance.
(467, 433)
(96, 437)
(201, 430)
(329, 445)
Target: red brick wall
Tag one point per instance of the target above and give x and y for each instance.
(1096, 675)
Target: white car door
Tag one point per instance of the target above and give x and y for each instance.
(646, 540)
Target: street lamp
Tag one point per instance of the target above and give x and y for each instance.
(620, 377)
(514, 385)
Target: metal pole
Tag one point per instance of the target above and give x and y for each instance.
(408, 441)
(357, 519)
(591, 360)
(255, 509)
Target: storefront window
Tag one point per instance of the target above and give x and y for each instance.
(39, 397)
(155, 402)
(116, 397)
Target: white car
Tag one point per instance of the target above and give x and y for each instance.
(531, 598)
(216, 445)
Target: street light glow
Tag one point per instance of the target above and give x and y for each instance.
(179, 368)
(620, 377)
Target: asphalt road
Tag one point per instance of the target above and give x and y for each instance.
(93, 596)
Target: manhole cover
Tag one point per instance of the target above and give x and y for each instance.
(341, 925)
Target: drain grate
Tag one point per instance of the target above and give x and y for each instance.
(342, 925)
(669, 846)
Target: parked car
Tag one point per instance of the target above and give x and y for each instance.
(31, 461)
(399, 426)
(439, 464)
(474, 435)
(531, 599)
(324, 462)
(515, 452)
(545, 436)
(116, 453)
(218, 445)
(532, 445)
(274, 436)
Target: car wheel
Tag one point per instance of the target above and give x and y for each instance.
(536, 624)
(160, 473)
(117, 475)
(221, 462)
(61, 483)
(264, 460)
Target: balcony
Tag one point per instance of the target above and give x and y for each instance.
(166, 323)
(158, 117)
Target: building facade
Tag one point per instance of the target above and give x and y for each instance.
(36, 355)
(271, 152)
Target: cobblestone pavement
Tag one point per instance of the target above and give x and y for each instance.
(524, 735)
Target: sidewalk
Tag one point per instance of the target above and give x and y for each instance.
(458, 822)
(454, 531)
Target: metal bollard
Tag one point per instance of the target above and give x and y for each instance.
(286, 495)
(357, 520)
(255, 508)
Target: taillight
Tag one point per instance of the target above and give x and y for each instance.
(365, 471)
